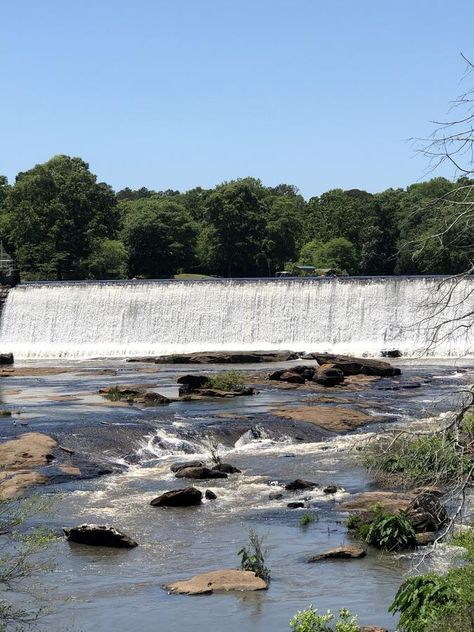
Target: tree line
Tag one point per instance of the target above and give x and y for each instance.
(58, 223)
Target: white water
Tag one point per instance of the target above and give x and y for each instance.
(81, 320)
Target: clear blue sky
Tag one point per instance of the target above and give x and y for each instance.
(182, 93)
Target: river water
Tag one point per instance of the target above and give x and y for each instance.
(98, 589)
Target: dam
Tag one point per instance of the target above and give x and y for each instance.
(354, 315)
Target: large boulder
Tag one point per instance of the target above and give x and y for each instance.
(186, 497)
(6, 358)
(350, 551)
(219, 581)
(182, 464)
(202, 473)
(292, 377)
(191, 382)
(328, 375)
(356, 366)
(299, 484)
(99, 535)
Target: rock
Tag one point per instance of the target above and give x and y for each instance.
(150, 398)
(186, 497)
(300, 483)
(220, 357)
(392, 502)
(426, 513)
(182, 464)
(423, 539)
(6, 358)
(275, 495)
(295, 505)
(292, 378)
(99, 535)
(210, 495)
(218, 581)
(29, 450)
(328, 375)
(391, 353)
(351, 551)
(355, 366)
(134, 394)
(214, 392)
(306, 372)
(191, 382)
(332, 418)
(227, 468)
(372, 628)
(199, 473)
(330, 489)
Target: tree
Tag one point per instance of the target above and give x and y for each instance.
(108, 260)
(338, 254)
(54, 215)
(159, 235)
(230, 243)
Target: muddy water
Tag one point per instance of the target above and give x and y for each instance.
(99, 590)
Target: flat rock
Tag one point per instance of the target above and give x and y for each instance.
(392, 502)
(185, 497)
(219, 581)
(354, 366)
(295, 505)
(220, 357)
(29, 450)
(99, 535)
(199, 473)
(352, 551)
(333, 418)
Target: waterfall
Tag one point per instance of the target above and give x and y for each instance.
(127, 318)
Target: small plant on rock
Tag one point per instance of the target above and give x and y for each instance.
(253, 556)
(308, 518)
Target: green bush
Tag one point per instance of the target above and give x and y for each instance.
(420, 600)
(253, 557)
(310, 621)
(388, 531)
(227, 381)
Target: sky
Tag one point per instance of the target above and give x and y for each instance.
(173, 94)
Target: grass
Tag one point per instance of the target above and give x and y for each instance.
(252, 558)
(432, 459)
(307, 518)
(227, 381)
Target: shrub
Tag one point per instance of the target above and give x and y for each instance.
(252, 558)
(227, 381)
(310, 621)
(388, 531)
(420, 599)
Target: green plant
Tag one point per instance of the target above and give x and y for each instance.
(308, 518)
(253, 557)
(309, 620)
(388, 531)
(434, 458)
(227, 381)
(213, 448)
(114, 394)
(420, 599)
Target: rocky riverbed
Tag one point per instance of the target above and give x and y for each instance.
(71, 434)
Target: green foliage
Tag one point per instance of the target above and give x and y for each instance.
(309, 620)
(159, 235)
(114, 394)
(388, 531)
(338, 254)
(435, 458)
(420, 600)
(213, 447)
(227, 381)
(54, 215)
(307, 518)
(108, 260)
(252, 558)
